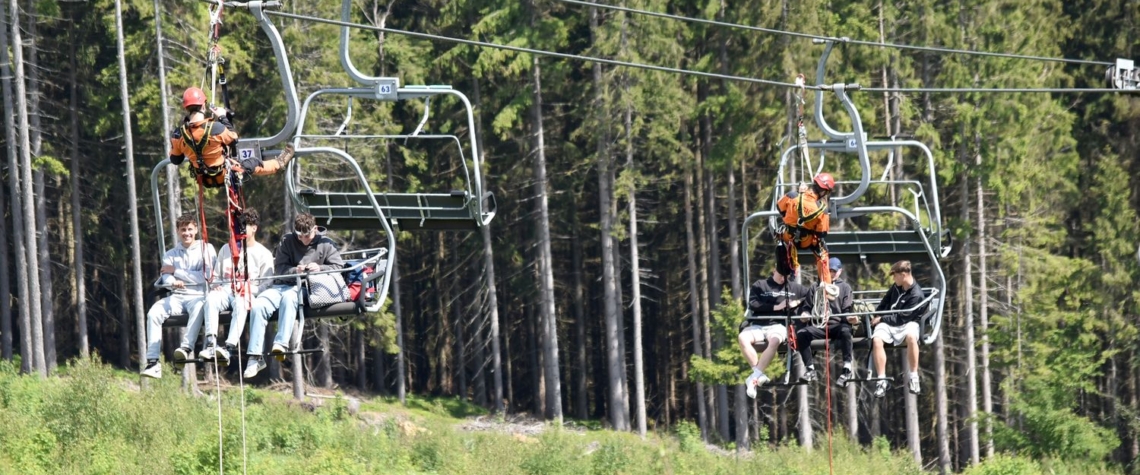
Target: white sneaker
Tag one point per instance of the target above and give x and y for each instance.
(254, 366)
(222, 356)
(207, 353)
(758, 378)
(912, 385)
(279, 351)
(153, 371)
(182, 354)
(881, 387)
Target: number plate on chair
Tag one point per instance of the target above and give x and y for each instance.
(247, 152)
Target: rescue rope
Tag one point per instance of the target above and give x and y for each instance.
(241, 390)
(801, 130)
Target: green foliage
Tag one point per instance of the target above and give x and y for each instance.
(728, 365)
(161, 431)
(1005, 465)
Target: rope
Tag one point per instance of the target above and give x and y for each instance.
(801, 130)
(241, 387)
(215, 51)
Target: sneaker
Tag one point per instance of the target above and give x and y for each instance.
(279, 351)
(207, 353)
(810, 376)
(881, 388)
(183, 354)
(844, 376)
(153, 370)
(254, 366)
(912, 385)
(757, 379)
(222, 356)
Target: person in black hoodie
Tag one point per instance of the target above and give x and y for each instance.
(771, 301)
(905, 297)
(838, 328)
(303, 251)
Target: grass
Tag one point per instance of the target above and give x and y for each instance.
(91, 419)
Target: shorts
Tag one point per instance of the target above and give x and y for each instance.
(895, 335)
(760, 334)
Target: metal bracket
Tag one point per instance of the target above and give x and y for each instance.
(248, 149)
(1123, 75)
(386, 89)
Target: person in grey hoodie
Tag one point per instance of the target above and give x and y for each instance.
(184, 271)
(300, 252)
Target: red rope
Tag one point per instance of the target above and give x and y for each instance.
(205, 234)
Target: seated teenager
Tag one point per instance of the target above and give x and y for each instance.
(184, 270)
(771, 301)
(898, 327)
(256, 262)
(837, 329)
(300, 252)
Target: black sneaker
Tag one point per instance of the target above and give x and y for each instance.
(844, 376)
(153, 370)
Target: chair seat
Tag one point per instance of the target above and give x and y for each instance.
(452, 211)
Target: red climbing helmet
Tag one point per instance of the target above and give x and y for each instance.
(193, 97)
(825, 181)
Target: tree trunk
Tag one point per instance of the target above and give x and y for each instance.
(714, 279)
(5, 284)
(914, 441)
(803, 393)
(635, 280)
(581, 398)
(703, 283)
(489, 272)
(125, 320)
(534, 361)
(546, 268)
(971, 358)
(983, 314)
(79, 268)
(28, 197)
(616, 395)
(941, 405)
(323, 374)
(460, 342)
(694, 303)
(17, 200)
(47, 294)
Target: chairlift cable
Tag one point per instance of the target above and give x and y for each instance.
(652, 67)
(776, 31)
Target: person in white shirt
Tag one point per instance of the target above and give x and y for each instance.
(256, 262)
(184, 270)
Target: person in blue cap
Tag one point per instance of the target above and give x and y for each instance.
(838, 328)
